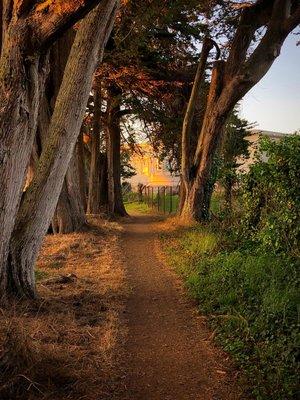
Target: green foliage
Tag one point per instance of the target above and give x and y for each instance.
(271, 196)
(234, 145)
(127, 170)
(251, 298)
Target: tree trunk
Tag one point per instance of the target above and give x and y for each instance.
(198, 183)
(25, 38)
(69, 215)
(81, 170)
(19, 96)
(115, 200)
(104, 183)
(95, 166)
(40, 200)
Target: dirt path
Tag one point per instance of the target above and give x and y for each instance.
(168, 355)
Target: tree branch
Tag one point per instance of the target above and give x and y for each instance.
(188, 118)
(250, 20)
(294, 20)
(270, 45)
(51, 18)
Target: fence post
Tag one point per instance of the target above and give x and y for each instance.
(171, 199)
(158, 199)
(152, 196)
(164, 192)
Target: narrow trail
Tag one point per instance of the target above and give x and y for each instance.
(168, 354)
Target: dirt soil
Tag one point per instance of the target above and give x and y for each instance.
(169, 354)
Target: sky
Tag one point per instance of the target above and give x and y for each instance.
(274, 103)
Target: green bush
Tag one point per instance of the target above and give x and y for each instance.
(271, 196)
(243, 269)
(251, 299)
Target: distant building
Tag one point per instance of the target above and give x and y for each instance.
(150, 171)
(253, 140)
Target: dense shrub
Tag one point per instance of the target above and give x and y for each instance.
(251, 299)
(243, 269)
(271, 196)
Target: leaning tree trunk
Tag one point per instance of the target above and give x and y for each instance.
(115, 200)
(93, 206)
(69, 215)
(199, 187)
(190, 123)
(40, 200)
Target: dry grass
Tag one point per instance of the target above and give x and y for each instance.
(64, 345)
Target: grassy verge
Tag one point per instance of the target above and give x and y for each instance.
(170, 205)
(137, 207)
(251, 300)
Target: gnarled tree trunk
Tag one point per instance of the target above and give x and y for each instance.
(69, 215)
(28, 30)
(198, 188)
(40, 200)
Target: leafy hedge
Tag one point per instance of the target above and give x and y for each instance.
(271, 196)
(244, 272)
(251, 298)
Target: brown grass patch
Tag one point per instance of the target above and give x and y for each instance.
(63, 346)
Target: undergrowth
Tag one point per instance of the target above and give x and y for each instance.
(251, 299)
(62, 346)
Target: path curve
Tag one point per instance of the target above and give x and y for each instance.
(168, 354)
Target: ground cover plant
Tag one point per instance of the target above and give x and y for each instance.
(245, 275)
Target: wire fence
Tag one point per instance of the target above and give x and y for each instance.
(164, 199)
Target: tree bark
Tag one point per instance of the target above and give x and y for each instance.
(104, 183)
(189, 122)
(95, 166)
(28, 30)
(40, 200)
(115, 200)
(198, 189)
(69, 215)
(81, 169)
